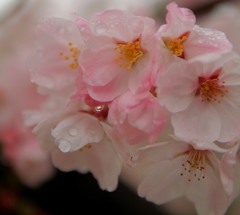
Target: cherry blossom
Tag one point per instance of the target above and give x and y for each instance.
(204, 98)
(180, 168)
(119, 54)
(136, 118)
(181, 39)
(54, 64)
(79, 140)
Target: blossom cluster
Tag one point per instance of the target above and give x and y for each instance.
(111, 81)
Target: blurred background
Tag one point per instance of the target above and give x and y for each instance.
(29, 184)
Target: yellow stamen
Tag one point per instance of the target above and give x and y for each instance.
(129, 52)
(175, 46)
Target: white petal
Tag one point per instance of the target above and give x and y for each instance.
(158, 151)
(208, 194)
(200, 121)
(162, 181)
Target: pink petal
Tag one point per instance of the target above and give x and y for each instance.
(76, 131)
(205, 44)
(114, 88)
(177, 86)
(69, 161)
(200, 145)
(160, 151)
(228, 115)
(162, 181)
(119, 147)
(230, 73)
(179, 21)
(83, 27)
(121, 25)
(105, 164)
(101, 160)
(199, 121)
(47, 66)
(230, 171)
(208, 194)
(98, 61)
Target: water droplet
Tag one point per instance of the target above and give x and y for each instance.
(73, 131)
(101, 28)
(64, 145)
(99, 108)
(61, 30)
(82, 29)
(112, 25)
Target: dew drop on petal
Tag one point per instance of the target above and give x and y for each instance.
(82, 29)
(112, 25)
(99, 108)
(64, 145)
(101, 28)
(73, 131)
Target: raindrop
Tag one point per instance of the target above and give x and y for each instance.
(64, 145)
(101, 28)
(82, 29)
(112, 25)
(73, 131)
(99, 108)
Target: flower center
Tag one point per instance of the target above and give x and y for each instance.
(129, 53)
(175, 46)
(211, 89)
(195, 164)
(73, 57)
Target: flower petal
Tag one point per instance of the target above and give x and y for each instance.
(162, 181)
(76, 131)
(199, 121)
(208, 194)
(121, 25)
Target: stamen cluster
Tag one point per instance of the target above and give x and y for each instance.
(129, 53)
